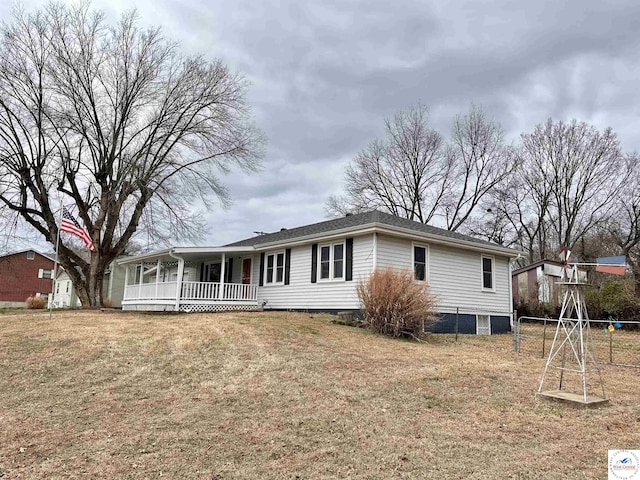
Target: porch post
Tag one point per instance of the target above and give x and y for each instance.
(141, 278)
(179, 282)
(222, 272)
(126, 281)
(157, 276)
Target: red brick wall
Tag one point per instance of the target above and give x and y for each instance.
(19, 276)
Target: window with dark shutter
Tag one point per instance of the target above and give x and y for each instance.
(287, 266)
(487, 273)
(420, 263)
(348, 275)
(314, 263)
(261, 278)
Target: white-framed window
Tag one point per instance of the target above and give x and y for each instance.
(274, 269)
(44, 273)
(31, 255)
(488, 269)
(332, 261)
(483, 325)
(420, 261)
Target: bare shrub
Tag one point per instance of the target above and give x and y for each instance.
(107, 303)
(35, 303)
(394, 304)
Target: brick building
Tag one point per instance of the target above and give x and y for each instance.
(24, 274)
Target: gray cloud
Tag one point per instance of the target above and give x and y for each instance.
(325, 74)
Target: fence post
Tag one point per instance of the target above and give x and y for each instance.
(516, 332)
(457, 312)
(610, 346)
(544, 335)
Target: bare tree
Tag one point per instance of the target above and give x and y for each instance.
(573, 172)
(480, 160)
(524, 201)
(406, 174)
(623, 228)
(412, 173)
(120, 124)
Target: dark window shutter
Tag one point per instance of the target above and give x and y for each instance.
(314, 263)
(261, 281)
(287, 265)
(202, 279)
(348, 276)
(228, 273)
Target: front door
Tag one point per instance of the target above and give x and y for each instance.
(246, 271)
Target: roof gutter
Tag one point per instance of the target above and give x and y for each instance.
(143, 257)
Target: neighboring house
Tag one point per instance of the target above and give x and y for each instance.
(539, 283)
(65, 295)
(24, 274)
(317, 267)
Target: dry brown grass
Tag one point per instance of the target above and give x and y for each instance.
(277, 395)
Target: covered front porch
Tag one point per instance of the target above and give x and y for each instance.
(191, 279)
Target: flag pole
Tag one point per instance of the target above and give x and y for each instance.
(55, 263)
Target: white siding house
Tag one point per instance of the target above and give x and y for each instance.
(317, 268)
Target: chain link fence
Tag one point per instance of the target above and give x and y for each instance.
(613, 342)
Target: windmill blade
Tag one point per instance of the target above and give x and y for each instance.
(619, 260)
(613, 265)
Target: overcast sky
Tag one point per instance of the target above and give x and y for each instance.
(325, 74)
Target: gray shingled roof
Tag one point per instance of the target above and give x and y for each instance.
(351, 221)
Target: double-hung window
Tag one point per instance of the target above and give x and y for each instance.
(274, 273)
(45, 273)
(487, 273)
(332, 261)
(338, 260)
(279, 267)
(420, 263)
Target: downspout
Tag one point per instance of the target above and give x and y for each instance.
(179, 279)
(511, 262)
(375, 252)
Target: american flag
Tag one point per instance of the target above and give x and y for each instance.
(71, 225)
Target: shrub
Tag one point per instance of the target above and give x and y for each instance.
(616, 297)
(393, 303)
(537, 310)
(107, 303)
(35, 302)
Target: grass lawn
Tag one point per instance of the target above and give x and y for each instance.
(278, 395)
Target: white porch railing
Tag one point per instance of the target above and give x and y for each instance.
(213, 291)
(210, 291)
(151, 291)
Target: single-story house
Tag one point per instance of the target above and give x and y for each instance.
(317, 267)
(538, 283)
(23, 274)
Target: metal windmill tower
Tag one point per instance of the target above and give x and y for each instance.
(572, 356)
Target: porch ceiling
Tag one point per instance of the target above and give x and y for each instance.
(186, 253)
